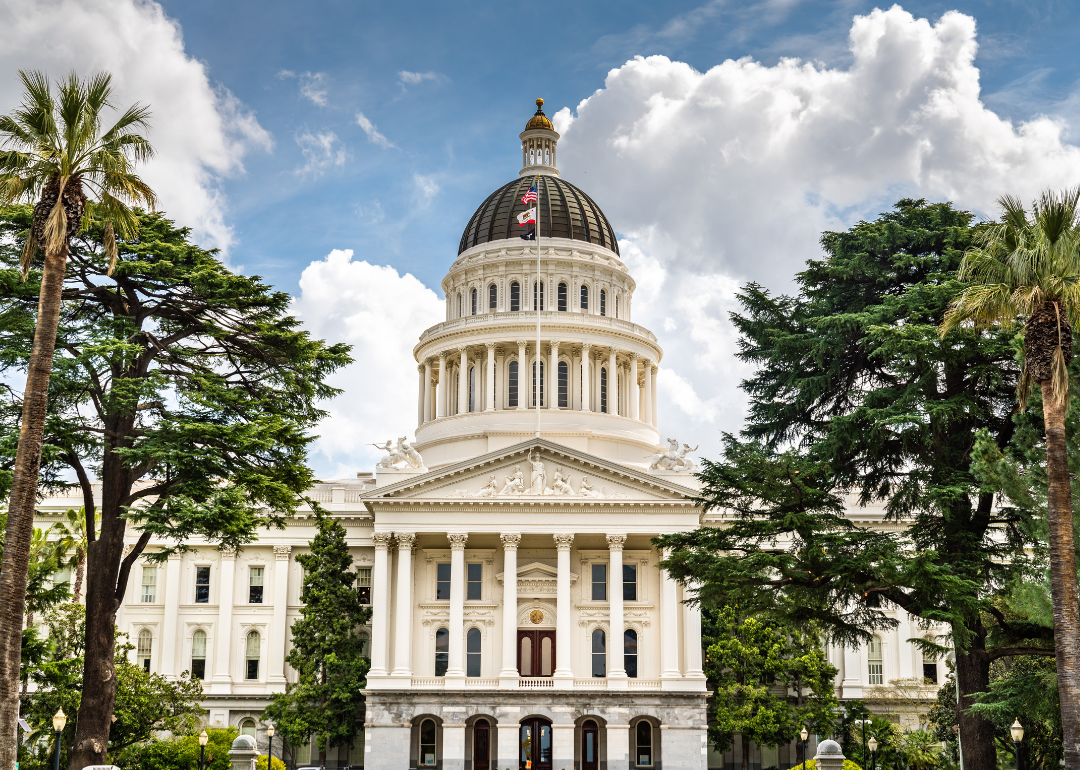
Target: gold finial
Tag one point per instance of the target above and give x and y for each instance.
(539, 102)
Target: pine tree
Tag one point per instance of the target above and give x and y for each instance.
(327, 648)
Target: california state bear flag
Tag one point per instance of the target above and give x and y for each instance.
(526, 216)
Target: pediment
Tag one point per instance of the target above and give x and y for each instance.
(536, 471)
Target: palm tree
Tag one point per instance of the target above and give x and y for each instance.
(74, 537)
(53, 153)
(1028, 268)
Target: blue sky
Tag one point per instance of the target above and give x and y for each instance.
(339, 148)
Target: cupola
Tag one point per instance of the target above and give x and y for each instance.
(538, 142)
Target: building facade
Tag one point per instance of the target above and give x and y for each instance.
(519, 616)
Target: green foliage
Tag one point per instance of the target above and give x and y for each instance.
(326, 647)
(261, 763)
(768, 681)
(811, 764)
(181, 753)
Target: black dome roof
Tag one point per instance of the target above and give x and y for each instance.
(565, 212)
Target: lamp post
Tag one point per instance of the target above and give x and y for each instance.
(864, 723)
(872, 745)
(58, 722)
(1017, 731)
(270, 748)
(203, 738)
(804, 735)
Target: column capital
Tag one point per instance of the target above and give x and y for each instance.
(510, 541)
(616, 542)
(489, 345)
(420, 368)
(457, 541)
(522, 343)
(555, 343)
(586, 347)
(381, 540)
(442, 356)
(632, 356)
(563, 542)
(281, 552)
(405, 540)
(463, 350)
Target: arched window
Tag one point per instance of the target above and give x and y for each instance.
(564, 384)
(874, 657)
(541, 401)
(442, 651)
(643, 744)
(252, 655)
(460, 305)
(603, 389)
(541, 295)
(603, 302)
(247, 727)
(515, 297)
(365, 645)
(473, 294)
(584, 297)
(563, 300)
(630, 652)
(198, 654)
(145, 648)
(493, 297)
(599, 653)
(472, 652)
(472, 388)
(427, 742)
(512, 381)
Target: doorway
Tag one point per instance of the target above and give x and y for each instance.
(536, 653)
(590, 746)
(482, 745)
(535, 744)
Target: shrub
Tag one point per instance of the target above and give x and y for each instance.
(260, 764)
(811, 764)
(181, 753)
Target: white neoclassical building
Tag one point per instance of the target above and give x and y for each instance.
(519, 616)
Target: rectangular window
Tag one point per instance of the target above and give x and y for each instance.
(474, 584)
(599, 582)
(202, 585)
(149, 584)
(876, 673)
(442, 581)
(198, 668)
(629, 582)
(255, 585)
(363, 584)
(253, 669)
(929, 672)
(512, 396)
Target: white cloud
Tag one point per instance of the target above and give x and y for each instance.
(426, 187)
(373, 134)
(406, 78)
(200, 130)
(312, 85)
(720, 177)
(321, 151)
(379, 312)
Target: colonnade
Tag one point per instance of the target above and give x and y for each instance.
(482, 381)
(508, 676)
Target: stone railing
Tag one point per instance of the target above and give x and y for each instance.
(536, 683)
(643, 684)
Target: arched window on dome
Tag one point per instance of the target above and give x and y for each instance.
(472, 388)
(534, 401)
(616, 305)
(603, 389)
(512, 382)
(515, 297)
(493, 297)
(584, 297)
(564, 384)
(562, 306)
(603, 302)
(474, 303)
(541, 295)
(460, 305)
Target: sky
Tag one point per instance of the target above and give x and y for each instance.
(339, 148)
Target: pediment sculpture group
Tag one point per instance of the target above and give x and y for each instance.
(404, 455)
(560, 485)
(674, 459)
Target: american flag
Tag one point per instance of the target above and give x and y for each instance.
(530, 196)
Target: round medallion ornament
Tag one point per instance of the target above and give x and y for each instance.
(537, 617)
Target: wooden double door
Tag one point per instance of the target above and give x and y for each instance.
(534, 744)
(536, 653)
(482, 745)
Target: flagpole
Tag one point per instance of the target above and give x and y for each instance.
(539, 295)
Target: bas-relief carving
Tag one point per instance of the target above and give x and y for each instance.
(674, 459)
(560, 485)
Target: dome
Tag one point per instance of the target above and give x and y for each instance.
(829, 748)
(243, 743)
(539, 120)
(565, 212)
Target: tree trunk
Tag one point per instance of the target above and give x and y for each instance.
(24, 487)
(976, 732)
(80, 565)
(1063, 587)
(745, 752)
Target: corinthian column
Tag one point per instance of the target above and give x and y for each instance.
(655, 391)
(616, 663)
(456, 667)
(172, 613)
(380, 633)
(647, 400)
(427, 391)
(222, 682)
(275, 674)
(463, 382)
(403, 652)
(441, 397)
(586, 384)
(669, 627)
(553, 376)
(635, 392)
(523, 377)
(564, 674)
(489, 385)
(509, 675)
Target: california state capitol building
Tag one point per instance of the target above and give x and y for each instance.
(519, 616)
